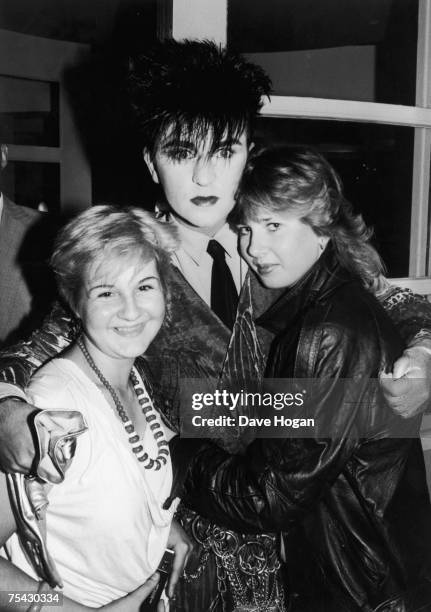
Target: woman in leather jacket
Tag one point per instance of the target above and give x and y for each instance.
(350, 497)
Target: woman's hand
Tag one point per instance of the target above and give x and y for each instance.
(133, 601)
(182, 546)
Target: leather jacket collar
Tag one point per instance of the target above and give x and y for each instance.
(324, 277)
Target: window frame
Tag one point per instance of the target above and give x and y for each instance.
(36, 58)
(417, 117)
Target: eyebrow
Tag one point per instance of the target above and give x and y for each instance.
(106, 286)
(224, 144)
(229, 143)
(172, 144)
(147, 278)
(188, 144)
(263, 219)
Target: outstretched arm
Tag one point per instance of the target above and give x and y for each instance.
(17, 364)
(406, 388)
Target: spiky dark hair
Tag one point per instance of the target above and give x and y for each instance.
(193, 88)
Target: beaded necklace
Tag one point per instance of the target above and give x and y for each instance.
(147, 408)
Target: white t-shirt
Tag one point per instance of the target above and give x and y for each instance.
(106, 529)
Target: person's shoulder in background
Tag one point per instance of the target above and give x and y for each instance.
(28, 286)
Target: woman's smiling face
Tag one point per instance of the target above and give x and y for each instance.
(122, 306)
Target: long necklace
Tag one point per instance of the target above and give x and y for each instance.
(148, 410)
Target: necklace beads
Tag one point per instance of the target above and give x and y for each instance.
(147, 408)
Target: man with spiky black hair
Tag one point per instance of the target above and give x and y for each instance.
(194, 88)
(195, 105)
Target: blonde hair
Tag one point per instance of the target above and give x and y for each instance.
(105, 233)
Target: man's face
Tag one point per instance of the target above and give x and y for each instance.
(199, 182)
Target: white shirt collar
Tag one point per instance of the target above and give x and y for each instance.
(195, 243)
(228, 238)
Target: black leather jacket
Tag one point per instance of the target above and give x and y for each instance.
(354, 506)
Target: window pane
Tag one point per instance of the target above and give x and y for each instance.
(349, 49)
(376, 165)
(28, 112)
(32, 184)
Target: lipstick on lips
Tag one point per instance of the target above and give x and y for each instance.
(263, 269)
(204, 201)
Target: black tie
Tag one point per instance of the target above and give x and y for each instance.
(224, 296)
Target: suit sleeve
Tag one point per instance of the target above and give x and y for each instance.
(410, 313)
(20, 361)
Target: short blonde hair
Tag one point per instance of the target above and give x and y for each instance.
(105, 232)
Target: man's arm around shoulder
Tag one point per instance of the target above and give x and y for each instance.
(17, 364)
